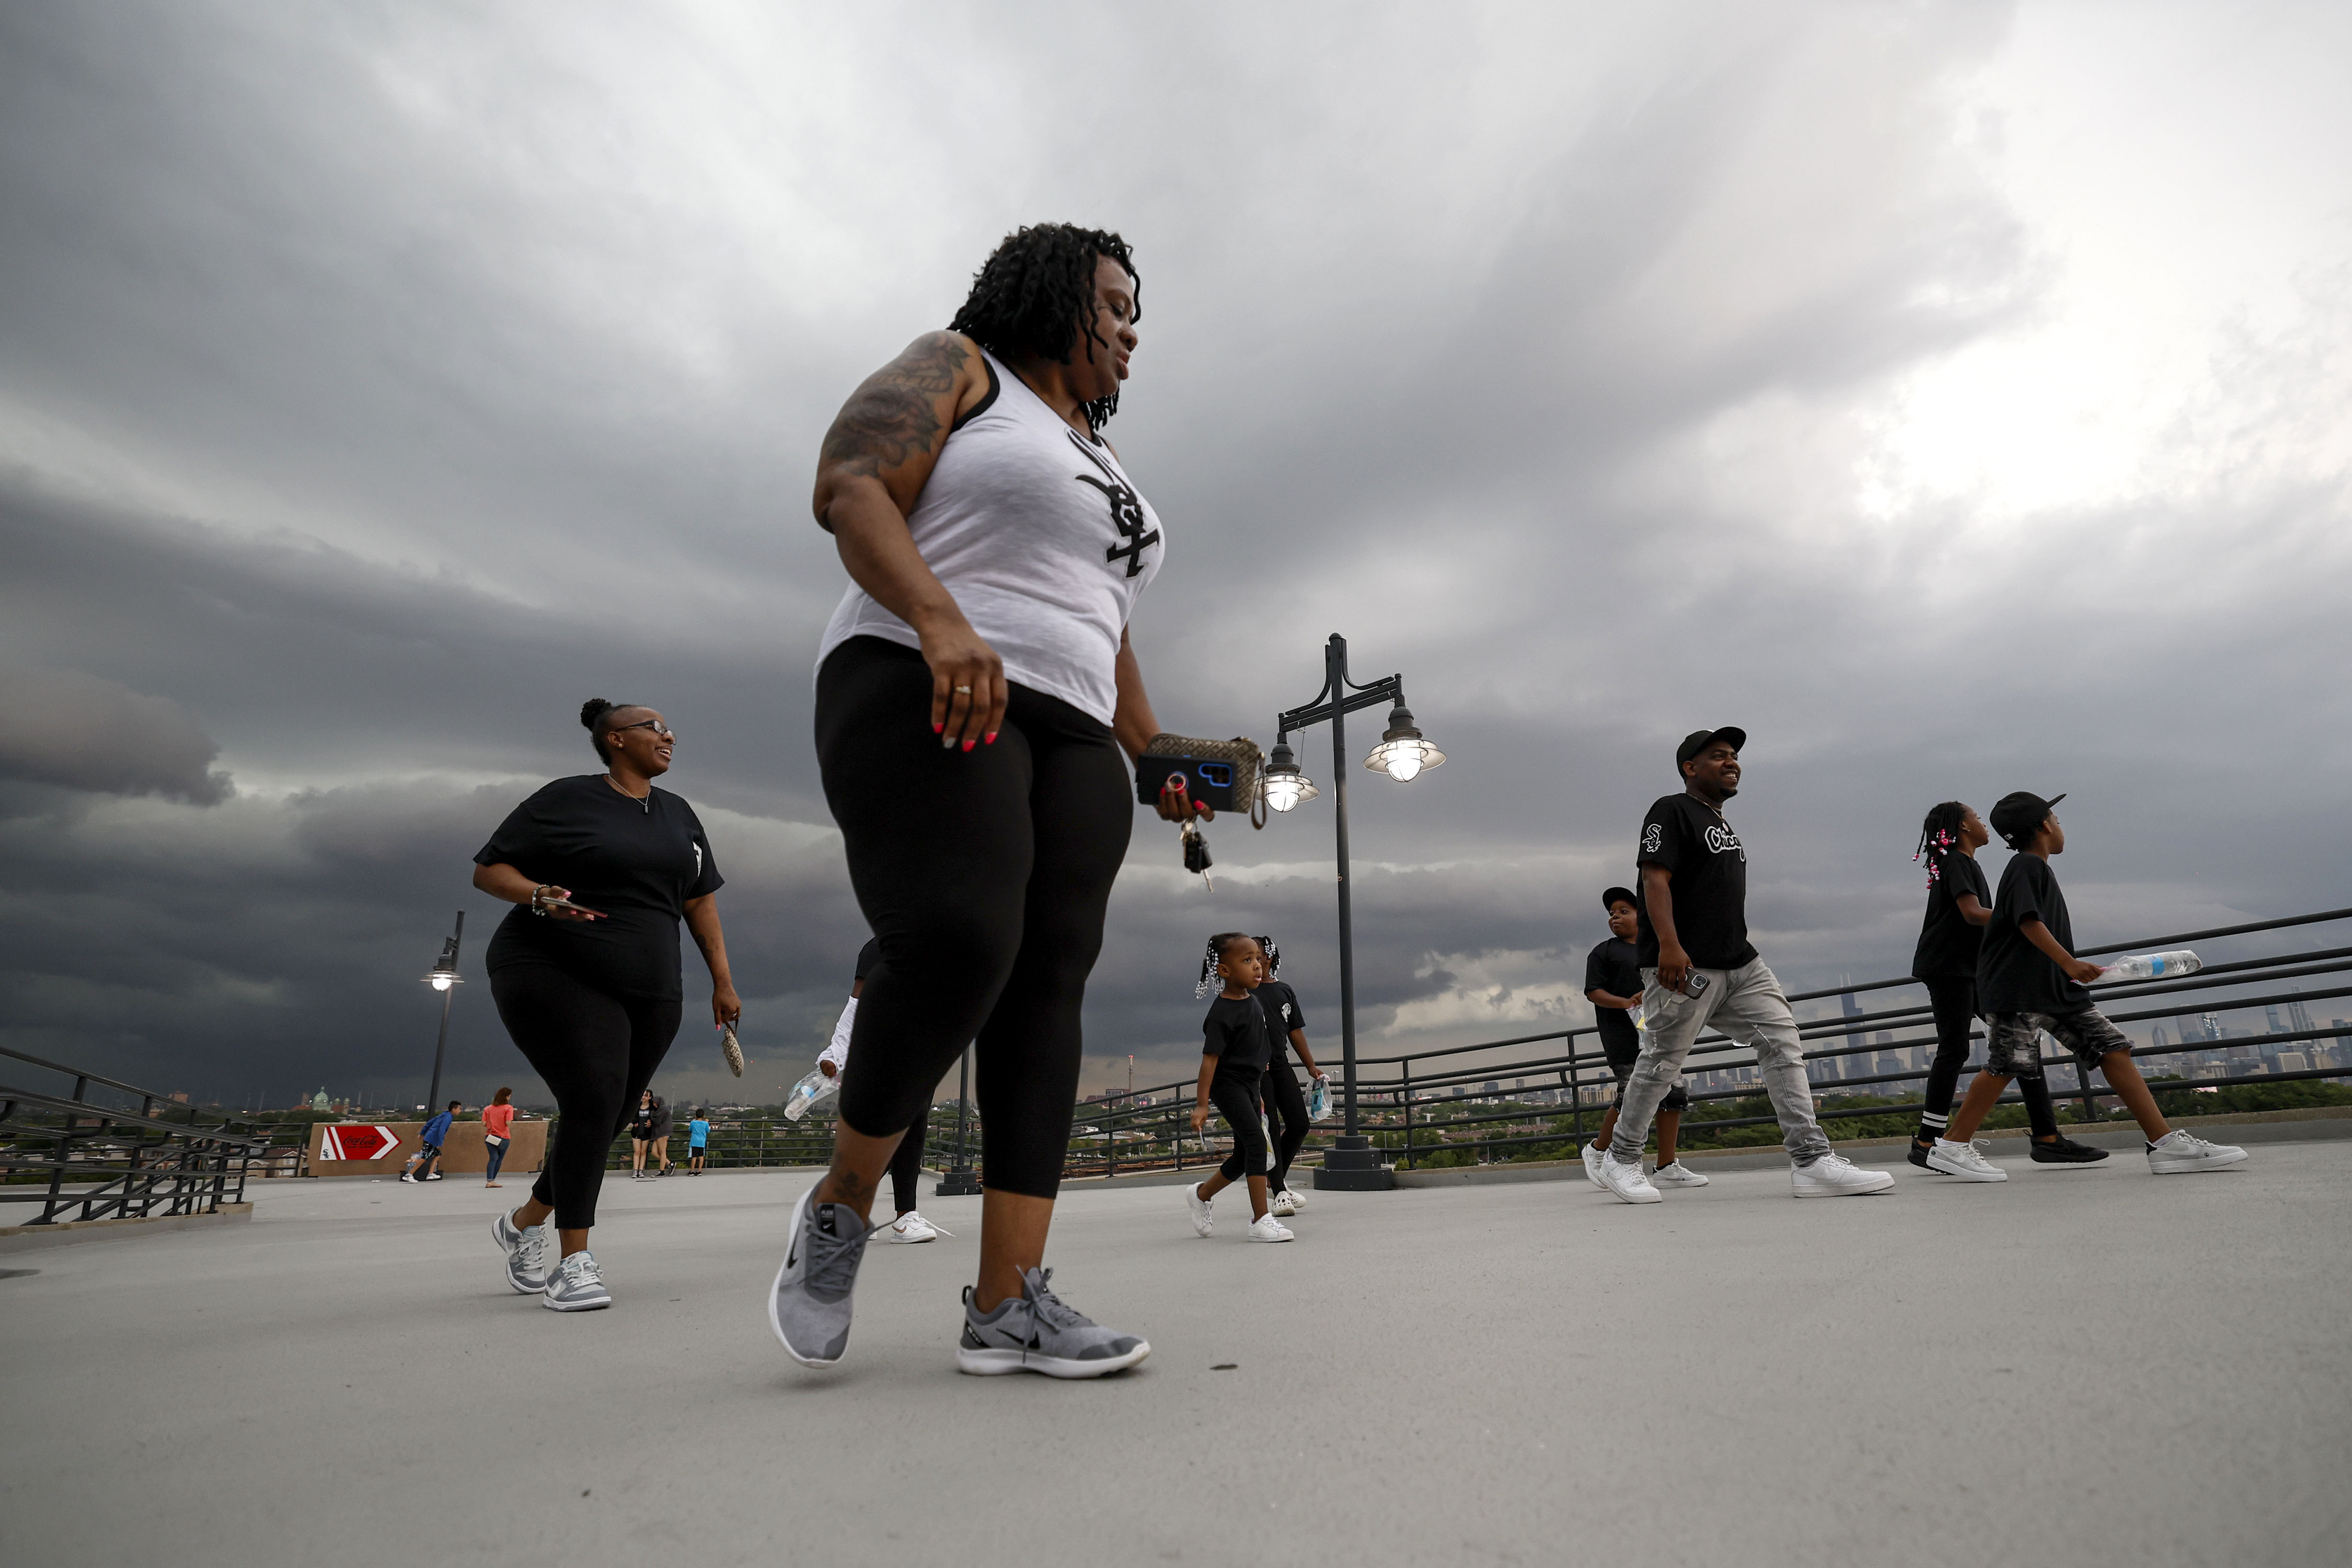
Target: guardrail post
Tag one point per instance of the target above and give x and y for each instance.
(1575, 1081)
(1405, 1095)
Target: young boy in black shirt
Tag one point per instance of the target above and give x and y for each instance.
(1612, 984)
(2029, 981)
(1237, 1046)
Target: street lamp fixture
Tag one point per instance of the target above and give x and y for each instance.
(1352, 1164)
(444, 976)
(1402, 754)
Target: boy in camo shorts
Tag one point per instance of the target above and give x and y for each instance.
(2029, 982)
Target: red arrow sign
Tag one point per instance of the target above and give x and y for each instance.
(357, 1143)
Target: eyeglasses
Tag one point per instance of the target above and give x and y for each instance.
(661, 731)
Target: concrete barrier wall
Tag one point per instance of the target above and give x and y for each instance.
(461, 1151)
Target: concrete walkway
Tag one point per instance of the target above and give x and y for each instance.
(2093, 1366)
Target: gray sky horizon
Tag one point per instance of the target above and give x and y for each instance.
(1953, 396)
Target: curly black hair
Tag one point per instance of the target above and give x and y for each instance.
(596, 718)
(1036, 293)
(1940, 832)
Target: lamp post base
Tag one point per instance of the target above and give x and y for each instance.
(957, 1183)
(1353, 1165)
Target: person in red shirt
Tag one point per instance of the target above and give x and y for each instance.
(496, 1117)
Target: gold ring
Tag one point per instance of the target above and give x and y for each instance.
(965, 690)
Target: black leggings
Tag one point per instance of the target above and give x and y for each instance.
(906, 1164)
(1287, 1106)
(1237, 1097)
(1954, 999)
(984, 876)
(596, 1053)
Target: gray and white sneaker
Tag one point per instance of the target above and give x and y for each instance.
(809, 1305)
(575, 1285)
(1835, 1177)
(526, 1252)
(1041, 1333)
(1626, 1181)
(1962, 1160)
(1203, 1220)
(1594, 1154)
(2181, 1150)
(1674, 1173)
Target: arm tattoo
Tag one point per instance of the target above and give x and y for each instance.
(891, 417)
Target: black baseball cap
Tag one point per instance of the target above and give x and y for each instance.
(2019, 816)
(1699, 741)
(1614, 894)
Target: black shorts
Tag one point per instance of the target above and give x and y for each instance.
(1622, 1067)
(696, 1150)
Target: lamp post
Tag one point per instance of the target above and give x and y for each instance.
(1351, 1165)
(444, 978)
(959, 1180)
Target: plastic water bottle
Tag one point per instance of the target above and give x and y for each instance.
(807, 1092)
(2150, 966)
(1319, 1099)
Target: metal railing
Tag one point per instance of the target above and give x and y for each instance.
(1412, 1111)
(68, 1152)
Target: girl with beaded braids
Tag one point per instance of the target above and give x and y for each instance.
(975, 691)
(1286, 1101)
(1235, 1045)
(1959, 905)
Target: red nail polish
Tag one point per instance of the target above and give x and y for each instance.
(968, 746)
(991, 737)
(936, 728)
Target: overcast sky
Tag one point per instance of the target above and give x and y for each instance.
(1953, 396)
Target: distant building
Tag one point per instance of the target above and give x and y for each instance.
(2293, 1061)
(2298, 1016)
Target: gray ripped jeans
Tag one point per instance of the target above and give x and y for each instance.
(1747, 1005)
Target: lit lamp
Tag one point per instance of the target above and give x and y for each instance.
(445, 975)
(1403, 754)
(1286, 786)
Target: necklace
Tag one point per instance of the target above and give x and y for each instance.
(644, 802)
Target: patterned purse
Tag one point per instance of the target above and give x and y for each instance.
(1230, 776)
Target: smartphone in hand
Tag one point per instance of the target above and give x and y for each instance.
(575, 909)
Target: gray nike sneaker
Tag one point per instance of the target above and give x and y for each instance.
(526, 1252)
(1041, 1333)
(808, 1307)
(575, 1285)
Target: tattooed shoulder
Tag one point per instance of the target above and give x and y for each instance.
(894, 412)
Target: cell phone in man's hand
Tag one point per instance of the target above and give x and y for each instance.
(1694, 983)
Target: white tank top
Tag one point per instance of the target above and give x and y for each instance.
(1036, 532)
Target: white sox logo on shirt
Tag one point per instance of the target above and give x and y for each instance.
(1125, 510)
(1720, 838)
(1652, 836)
(697, 862)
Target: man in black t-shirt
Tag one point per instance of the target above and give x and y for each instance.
(1612, 984)
(2029, 981)
(1697, 968)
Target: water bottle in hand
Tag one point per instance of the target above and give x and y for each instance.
(807, 1092)
(2150, 966)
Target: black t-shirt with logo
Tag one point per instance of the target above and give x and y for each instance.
(1235, 1032)
(1616, 966)
(635, 861)
(1688, 837)
(1280, 1004)
(2012, 974)
(1948, 944)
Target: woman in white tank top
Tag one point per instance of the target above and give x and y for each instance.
(976, 690)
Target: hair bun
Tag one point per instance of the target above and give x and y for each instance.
(595, 708)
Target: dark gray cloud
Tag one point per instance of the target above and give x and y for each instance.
(375, 386)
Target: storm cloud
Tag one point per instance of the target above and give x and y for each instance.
(1953, 396)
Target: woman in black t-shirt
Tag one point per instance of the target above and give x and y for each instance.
(585, 971)
(1960, 903)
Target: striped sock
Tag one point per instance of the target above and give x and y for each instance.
(1931, 1125)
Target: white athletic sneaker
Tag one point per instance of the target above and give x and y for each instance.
(575, 1285)
(1280, 1206)
(1835, 1176)
(1594, 1154)
(526, 1252)
(1265, 1228)
(1626, 1181)
(408, 1179)
(2181, 1150)
(1962, 1160)
(912, 1228)
(433, 1177)
(1203, 1222)
(1677, 1175)
(1297, 1200)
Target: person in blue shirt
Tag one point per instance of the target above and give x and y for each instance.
(697, 1139)
(425, 1165)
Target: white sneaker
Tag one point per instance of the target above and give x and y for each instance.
(526, 1252)
(1594, 1154)
(1962, 1160)
(1280, 1206)
(575, 1285)
(1297, 1200)
(1677, 1175)
(1265, 1228)
(1626, 1181)
(912, 1228)
(1835, 1176)
(1203, 1222)
(2181, 1150)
